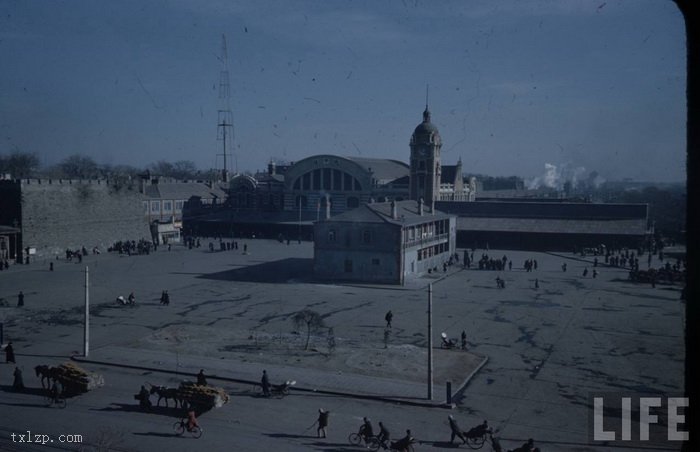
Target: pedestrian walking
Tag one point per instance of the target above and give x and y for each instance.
(201, 379)
(20, 299)
(9, 353)
(322, 422)
(388, 317)
(585, 272)
(51, 266)
(265, 383)
(537, 283)
(455, 431)
(464, 340)
(18, 383)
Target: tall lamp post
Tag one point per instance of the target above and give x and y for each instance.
(86, 332)
(299, 201)
(430, 341)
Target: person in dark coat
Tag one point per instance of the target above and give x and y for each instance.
(9, 353)
(18, 384)
(144, 398)
(388, 317)
(20, 299)
(456, 431)
(322, 422)
(201, 379)
(265, 383)
(464, 340)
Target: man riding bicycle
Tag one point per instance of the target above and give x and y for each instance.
(383, 436)
(366, 431)
(191, 419)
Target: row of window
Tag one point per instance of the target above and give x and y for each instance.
(327, 179)
(351, 202)
(434, 250)
(366, 236)
(154, 206)
(425, 230)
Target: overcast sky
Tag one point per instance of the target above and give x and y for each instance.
(513, 84)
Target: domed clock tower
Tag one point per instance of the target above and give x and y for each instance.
(425, 161)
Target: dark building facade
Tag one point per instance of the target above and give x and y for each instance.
(548, 225)
(383, 243)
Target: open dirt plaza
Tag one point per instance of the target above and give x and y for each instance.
(534, 355)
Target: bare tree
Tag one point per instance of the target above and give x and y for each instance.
(312, 320)
(79, 166)
(182, 169)
(19, 164)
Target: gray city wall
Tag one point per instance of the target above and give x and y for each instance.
(60, 214)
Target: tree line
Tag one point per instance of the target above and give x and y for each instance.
(22, 165)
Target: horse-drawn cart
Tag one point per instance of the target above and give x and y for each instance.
(73, 378)
(203, 396)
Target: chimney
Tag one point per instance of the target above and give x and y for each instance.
(420, 207)
(328, 207)
(394, 213)
(271, 168)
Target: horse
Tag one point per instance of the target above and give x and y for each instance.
(166, 393)
(46, 372)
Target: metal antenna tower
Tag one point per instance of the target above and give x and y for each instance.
(224, 126)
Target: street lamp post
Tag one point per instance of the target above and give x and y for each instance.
(430, 341)
(86, 333)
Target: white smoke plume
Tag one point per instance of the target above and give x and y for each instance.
(555, 177)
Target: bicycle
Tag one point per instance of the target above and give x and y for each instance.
(59, 400)
(181, 426)
(356, 440)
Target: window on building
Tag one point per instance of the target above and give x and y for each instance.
(167, 206)
(348, 266)
(306, 182)
(316, 183)
(337, 180)
(178, 205)
(366, 236)
(326, 178)
(331, 236)
(297, 184)
(421, 165)
(357, 185)
(375, 261)
(347, 182)
(155, 206)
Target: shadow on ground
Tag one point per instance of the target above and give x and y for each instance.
(131, 408)
(298, 270)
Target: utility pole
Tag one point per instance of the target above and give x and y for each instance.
(430, 341)
(299, 198)
(224, 126)
(86, 333)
